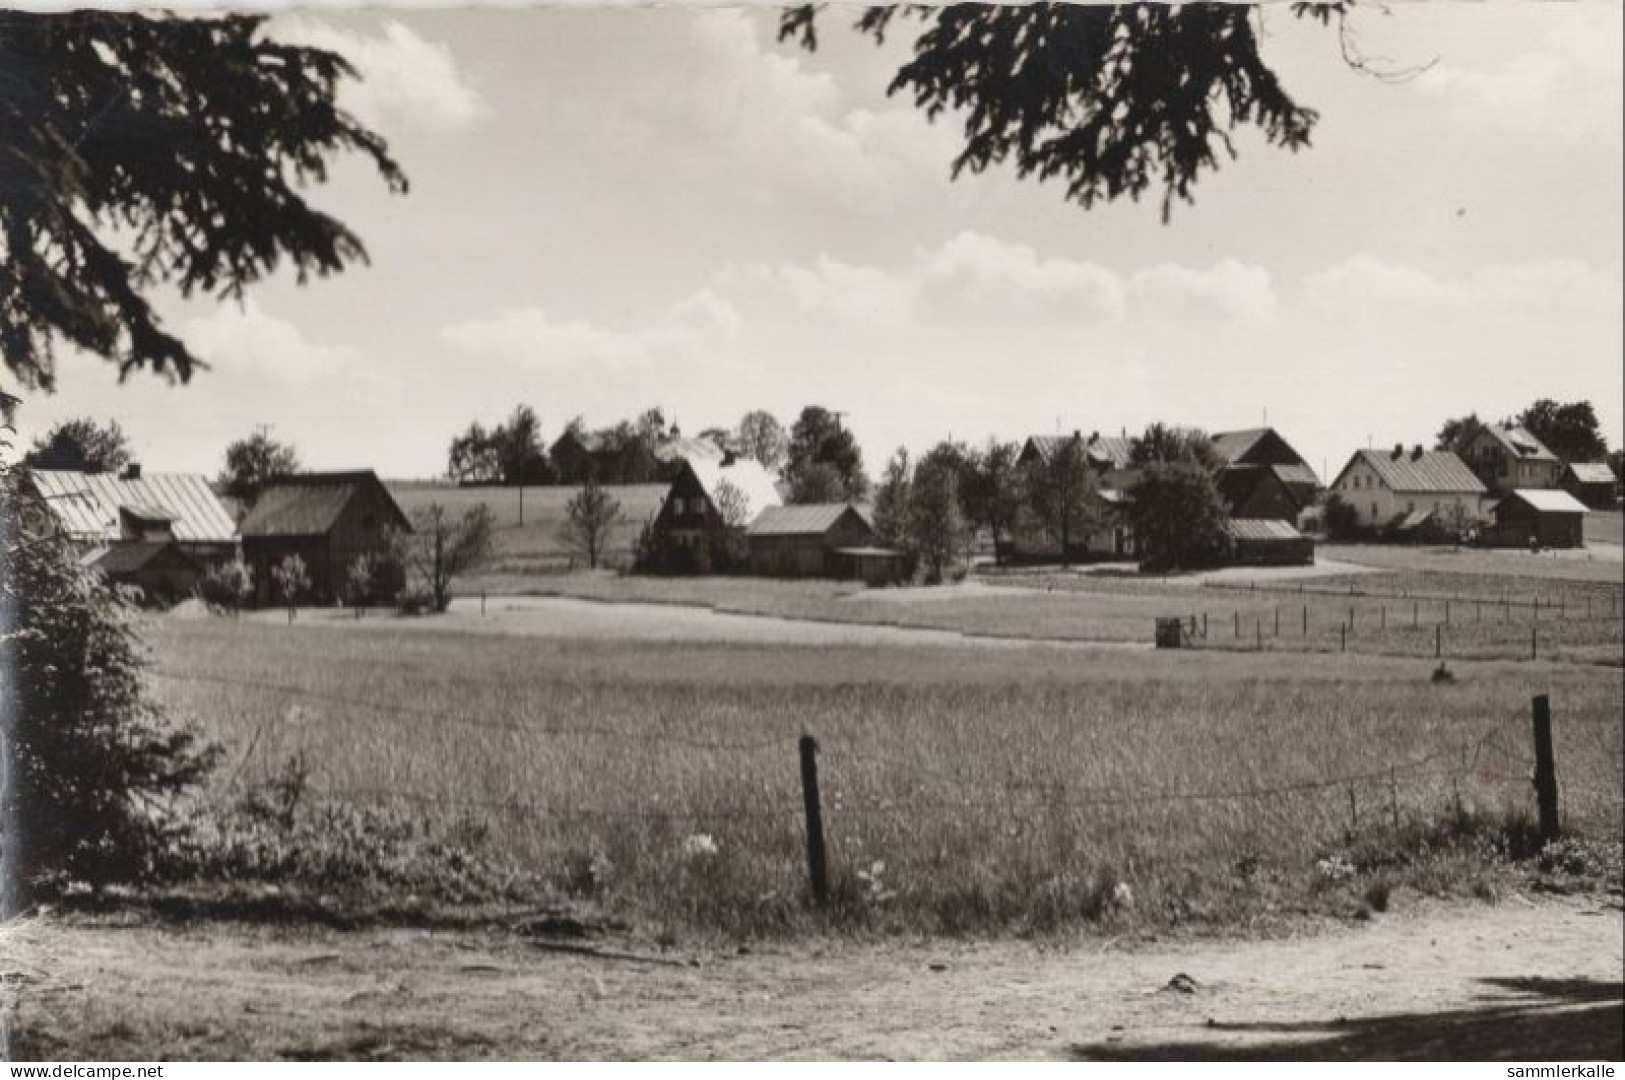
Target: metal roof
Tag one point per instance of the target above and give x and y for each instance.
(1233, 445)
(1262, 529)
(808, 519)
(1433, 470)
(128, 558)
(309, 504)
(745, 475)
(1296, 474)
(680, 448)
(1548, 500)
(1592, 472)
(87, 504)
(1520, 443)
(1106, 451)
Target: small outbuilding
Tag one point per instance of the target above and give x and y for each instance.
(1543, 517)
(1268, 542)
(159, 568)
(1593, 483)
(328, 519)
(834, 540)
(702, 524)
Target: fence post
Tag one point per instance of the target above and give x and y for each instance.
(1534, 645)
(1258, 634)
(1238, 625)
(1351, 616)
(482, 603)
(1393, 796)
(1277, 621)
(1478, 611)
(1354, 812)
(1385, 616)
(1342, 639)
(1416, 613)
(1306, 620)
(1204, 626)
(1447, 611)
(1545, 769)
(816, 869)
(1438, 641)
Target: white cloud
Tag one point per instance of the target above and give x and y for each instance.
(405, 80)
(1365, 282)
(248, 344)
(1229, 291)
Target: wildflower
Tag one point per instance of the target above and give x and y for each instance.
(699, 844)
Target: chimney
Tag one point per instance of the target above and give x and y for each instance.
(1094, 437)
(1399, 451)
(1077, 435)
(132, 471)
(1416, 452)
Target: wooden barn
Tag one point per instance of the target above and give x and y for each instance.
(832, 540)
(162, 571)
(1260, 492)
(1593, 483)
(1263, 476)
(328, 519)
(1268, 542)
(1545, 518)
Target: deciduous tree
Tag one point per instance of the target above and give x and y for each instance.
(588, 518)
(1062, 491)
(818, 438)
(1178, 518)
(82, 444)
(438, 549)
(252, 463)
(762, 437)
(1569, 430)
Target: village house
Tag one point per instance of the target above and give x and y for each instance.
(701, 525)
(1591, 482)
(1104, 453)
(1411, 494)
(1268, 542)
(157, 531)
(1507, 458)
(1263, 476)
(328, 519)
(1543, 517)
(830, 540)
(671, 452)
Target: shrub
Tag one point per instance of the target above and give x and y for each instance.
(91, 764)
(227, 585)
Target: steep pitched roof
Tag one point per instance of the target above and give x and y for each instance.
(745, 475)
(1518, 442)
(1433, 470)
(1234, 445)
(309, 504)
(1261, 529)
(1591, 472)
(808, 519)
(1547, 501)
(678, 448)
(128, 558)
(88, 504)
(1104, 451)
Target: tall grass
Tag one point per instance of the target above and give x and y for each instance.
(964, 790)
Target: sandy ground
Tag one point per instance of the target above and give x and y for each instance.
(1516, 980)
(598, 620)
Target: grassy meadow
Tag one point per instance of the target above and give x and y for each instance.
(532, 546)
(972, 790)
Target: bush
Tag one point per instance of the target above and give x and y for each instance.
(1341, 521)
(227, 585)
(92, 765)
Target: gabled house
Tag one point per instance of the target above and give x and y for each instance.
(1104, 453)
(671, 452)
(1591, 482)
(1543, 517)
(1506, 458)
(1411, 493)
(328, 519)
(157, 531)
(702, 522)
(832, 540)
(1258, 466)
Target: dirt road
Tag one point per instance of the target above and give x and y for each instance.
(1518, 980)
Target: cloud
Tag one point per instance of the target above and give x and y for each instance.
(1566, 84)
(405, 80)
(1365, 282)
(248, 344)
(1228, 292)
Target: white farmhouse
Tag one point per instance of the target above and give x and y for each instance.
(1405, 490)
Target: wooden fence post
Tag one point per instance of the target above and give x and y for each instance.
(1545, 769)
(1438, 641)
(1447, 611)
(1277, 621)
(1204, 626)
(1354, 811)
(1306, 620)
(1258, 634)
(1393, 796)
(1416, 613)
(1342, 639)
(482, 603)
(1534, 644)
(1385, 616)
(1351, 616)
(816, 868)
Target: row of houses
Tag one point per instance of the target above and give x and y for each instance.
(162, 532)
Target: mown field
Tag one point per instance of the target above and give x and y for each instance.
(532, 546)
(964, 790)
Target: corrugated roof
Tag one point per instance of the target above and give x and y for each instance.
(1549, 500)
(746, 475)
(88, 504)
(807, 519)
(128, 558)
(1520, 443)
(1434, 470)
(1105, 451)
(679, 448)
(1592, 472)
(308, 504)
(1262, 529)
(1297, 474)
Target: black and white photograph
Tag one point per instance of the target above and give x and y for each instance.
(591, 532)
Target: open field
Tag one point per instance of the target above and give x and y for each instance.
(1598, 563)
(1394, 612)
(1521, 980)
(965, 790)
(533, 547)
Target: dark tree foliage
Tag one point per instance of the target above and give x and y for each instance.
(1062, 491)
(1569, 430)
(1458, 432)
(253, 462)
(1109, 100)
(1170, 445)
(90, 762)
(1179, 519)
(140, 149)
(818, 438)
(991, 490)
(81, 444)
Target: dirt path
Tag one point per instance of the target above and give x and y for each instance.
(1514, 980)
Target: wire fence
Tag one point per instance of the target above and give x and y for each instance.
(1488, 754)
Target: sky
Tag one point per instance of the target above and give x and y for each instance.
(618, 208)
